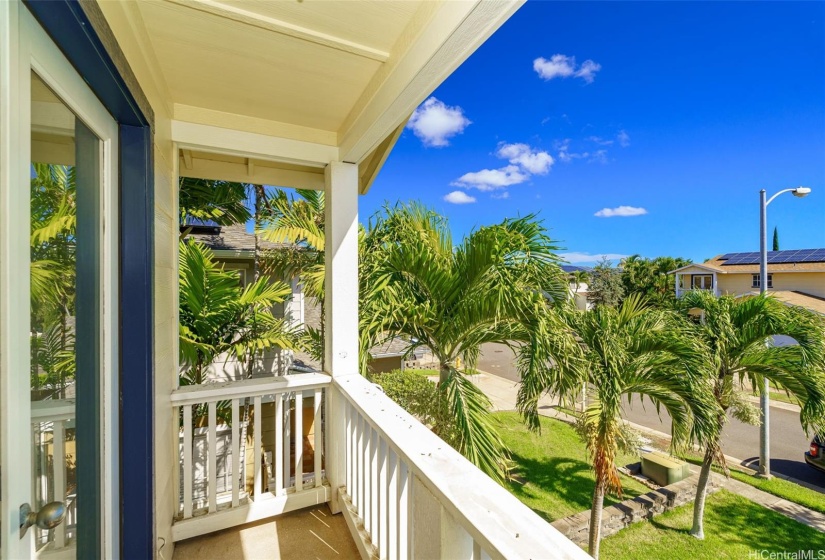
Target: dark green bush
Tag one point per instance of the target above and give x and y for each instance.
(420, 397)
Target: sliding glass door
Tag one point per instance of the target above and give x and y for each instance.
(58, 313)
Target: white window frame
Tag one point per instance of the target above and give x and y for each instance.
(693, 277)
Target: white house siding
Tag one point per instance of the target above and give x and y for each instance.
(812, 283)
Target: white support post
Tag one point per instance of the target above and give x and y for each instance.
(341, 260)
(340, 308)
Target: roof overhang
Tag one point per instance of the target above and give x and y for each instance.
(703, 267)
(274, 91)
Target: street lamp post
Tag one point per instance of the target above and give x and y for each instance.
(764, 399)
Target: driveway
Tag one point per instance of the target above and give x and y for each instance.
(788, 440)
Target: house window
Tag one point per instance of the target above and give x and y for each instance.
(241, 271)
(702, 282)
(755, 281)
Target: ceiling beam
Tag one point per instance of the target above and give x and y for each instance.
(213, 170)
(438, 39)
(257, 125)
(284, 28)
(207, 138)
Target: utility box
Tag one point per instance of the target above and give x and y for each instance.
(664, 469)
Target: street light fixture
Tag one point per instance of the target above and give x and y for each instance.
(764, 399)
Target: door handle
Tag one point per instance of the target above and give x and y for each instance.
(50, 516)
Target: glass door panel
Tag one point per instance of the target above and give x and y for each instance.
(65, 322)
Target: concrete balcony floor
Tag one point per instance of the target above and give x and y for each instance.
(311, 533)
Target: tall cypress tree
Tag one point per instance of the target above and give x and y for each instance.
(775, 239)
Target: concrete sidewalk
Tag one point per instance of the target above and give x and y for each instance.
(503, 394)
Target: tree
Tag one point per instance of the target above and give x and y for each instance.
(630, 350)
(605, 286)
(649, 277)
(775, 239)
(298, 223)
(736, 334)
(222, 202)
(491, 287)
(579, 277)
(217, 315)
(53, 276)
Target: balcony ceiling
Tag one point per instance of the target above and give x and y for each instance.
(328, 73)
(301, 63)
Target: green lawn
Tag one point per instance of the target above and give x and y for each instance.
(776, 486)
(559, 480)
(734, 528)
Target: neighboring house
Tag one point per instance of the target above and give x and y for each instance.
(579, 291)
(797, 277)
(134, 95)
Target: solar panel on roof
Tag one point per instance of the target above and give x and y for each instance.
(775, 257)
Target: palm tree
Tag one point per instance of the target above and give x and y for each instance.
(298, 223)
(217, 315)
(736, 332)
(53, 243)
(632, 350)
(579, 277)
(222, 202)
(492, 287)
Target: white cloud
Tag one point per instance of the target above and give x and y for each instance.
(533, 161)
(524, 163)
(623, 138)
(501, 195)
(599, 156)
(492, 179)
(620, 211)
(566, 156)
(559, 66)
(459, 197)
(434, 123)
(578, 258)
(600, 141)
(587, 71)
(563, 66)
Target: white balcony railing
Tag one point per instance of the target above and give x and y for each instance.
(410, 495)
(279, 480)
(404, 492)
(52, 424)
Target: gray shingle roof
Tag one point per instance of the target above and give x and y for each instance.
(234, 238)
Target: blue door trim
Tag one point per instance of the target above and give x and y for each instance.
(69, 27)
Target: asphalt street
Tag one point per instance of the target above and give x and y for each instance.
(788, 439)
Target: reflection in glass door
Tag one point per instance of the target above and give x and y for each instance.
(58, 304)
(65, 326)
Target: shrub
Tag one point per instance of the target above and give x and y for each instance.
(420, 397)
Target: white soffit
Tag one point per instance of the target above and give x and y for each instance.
(302, 63)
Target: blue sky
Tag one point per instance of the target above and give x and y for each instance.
(674, 113)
